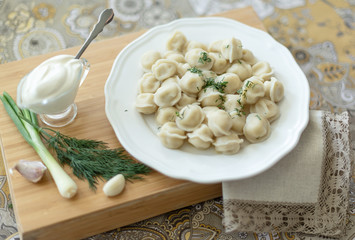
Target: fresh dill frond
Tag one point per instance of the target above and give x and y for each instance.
(222, 100)
(204, 58)
(195, 70)
(93, 160)
(218, 85)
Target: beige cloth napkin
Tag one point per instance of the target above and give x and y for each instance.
(306, 191)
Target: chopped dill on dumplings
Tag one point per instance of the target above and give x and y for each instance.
(210, 95)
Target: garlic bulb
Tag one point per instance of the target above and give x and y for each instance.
(31, 170)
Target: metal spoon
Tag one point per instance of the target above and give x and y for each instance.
(105, 18)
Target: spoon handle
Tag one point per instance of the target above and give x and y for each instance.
(105, 17)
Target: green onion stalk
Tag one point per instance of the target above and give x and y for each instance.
(27, 123)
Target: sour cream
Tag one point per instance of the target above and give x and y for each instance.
(51, 87)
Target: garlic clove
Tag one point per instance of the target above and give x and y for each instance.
(114, 186)
(33, 171)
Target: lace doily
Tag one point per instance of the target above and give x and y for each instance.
(328, 216)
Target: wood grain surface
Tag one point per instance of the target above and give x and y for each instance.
(41, 213)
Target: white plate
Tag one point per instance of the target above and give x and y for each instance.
(137, 133)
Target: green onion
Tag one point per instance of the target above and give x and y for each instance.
(25, 122)
(89, 159)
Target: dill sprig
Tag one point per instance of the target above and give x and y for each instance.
(196, 70)
(92, 159)
(218, 85)
(204, 58)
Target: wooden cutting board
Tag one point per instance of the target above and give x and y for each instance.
(41, 213)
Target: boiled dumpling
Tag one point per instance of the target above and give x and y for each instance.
(176, 42)
(220, 122)
(191, 83)
(263, 70)
(256, 128)
(238, 121)
(174, 79)
(167, 95)
(175, 56)
(195, 44)
(229, 144)
(145, 103)
(171, 136)
(148, 59)
(249, 57)
(267, 108)
(185, 100)
(199, 58)
(274, 90)
(201, 138)
(231, 102)
(190, 117)
(209, 109)
(210, 97)
(252, 90)
(165, 114)
(148, 83)
(232, 80)
(231, 49)
(164, 68)
(220, 64)
(182, 68)
(241, 68)
(215, 46)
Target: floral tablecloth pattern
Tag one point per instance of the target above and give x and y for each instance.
(319, 33)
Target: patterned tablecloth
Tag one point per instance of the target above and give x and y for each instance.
(320, 35)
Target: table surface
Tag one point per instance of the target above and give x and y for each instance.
(318, 33)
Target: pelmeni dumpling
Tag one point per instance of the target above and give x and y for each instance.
(238, 121)
(220, 64)
(274, 89)
(148, 59)
(194, 44)
(175, 56)
(171, 136)
(252, 90)
(220, 122)
(164, 68)
(148, 83)
(185, 100)
(174, 79)
(191, 83)
(182, 68)
(165, 114)
(199, 58)
(256, 128)
(201, 138)
(232, 80)
(229, 144)
(231, 49)
(209, 109)
(215, 46)
(231, 102)
(248, 57)
(210, 97)
(241, 68)
(167, 95)
(190, 117)
(176, 42)
(145, 103)
(263, 70)
(266, 108)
